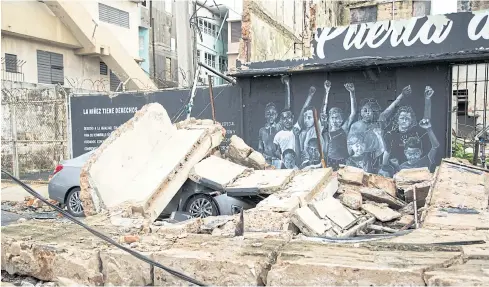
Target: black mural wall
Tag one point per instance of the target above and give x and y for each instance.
(380, 120)
(94, 117)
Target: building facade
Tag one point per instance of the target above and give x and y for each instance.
(99, 45)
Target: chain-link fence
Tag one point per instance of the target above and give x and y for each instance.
(34, 129)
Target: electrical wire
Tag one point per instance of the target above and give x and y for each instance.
(103, 236)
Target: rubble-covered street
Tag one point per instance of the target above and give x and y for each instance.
(310, 227)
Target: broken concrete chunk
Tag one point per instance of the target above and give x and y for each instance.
(308, 223)
(333, 209)
(260, 182)
(305, 185)
(239, 152)
(352, 199)
(329, 189)
(150, 175)
(422, 190)
(408, 209)
(470, 273)
(120, 268)
(256, 160)
(216, 173)
(352, 175)
(407, 177)
(188, 226)
(381, 211)
(219, 261)
(381, 196)
(384, 183)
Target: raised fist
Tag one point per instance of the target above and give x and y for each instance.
(425, 123)
(327, 85)
(312, 90)
(350, 87)
(428, 92)
(407, 90)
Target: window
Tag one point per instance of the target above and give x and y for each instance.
(114, 81)
(462, 101)
(363, 14)
(50, 69)
(103, 69)
(113, 15)
(235, 31)
(168, 72)
(223, 64)
(11, 63)
(143, 3)
(207, 27)
(210, 60)
(198, 55)
(421, 8)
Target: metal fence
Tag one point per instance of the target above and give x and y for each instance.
(34, 129)
(470, 89)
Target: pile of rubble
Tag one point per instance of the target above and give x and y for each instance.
(283, 240)
(140, 168)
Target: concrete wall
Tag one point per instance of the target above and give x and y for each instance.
(23, 38)
(80, 72)
(375, 90)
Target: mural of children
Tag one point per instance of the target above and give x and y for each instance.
(335, 132)
(361, 158)
(313, 155)
(304, 127)
(371, 122)
(289, 159)
(404, 127)
(285, 139)
(267, 134)
(413, 149)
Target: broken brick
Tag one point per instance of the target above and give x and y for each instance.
(130, 238)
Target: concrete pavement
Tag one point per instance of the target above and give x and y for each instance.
(14, 192)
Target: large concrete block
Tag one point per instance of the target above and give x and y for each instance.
(458, 187)
(470, 273)
(303, 187)
(145, 161)
(48, 251)
(306, 263)
(216, 173)
(333, 209)
(308, 223)
(219, 261)
(260, 182)
(122, 269)
(407, 177)
(351, 175)
(381, 211)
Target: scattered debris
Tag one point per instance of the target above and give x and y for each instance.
(241, 153)
(381, 211)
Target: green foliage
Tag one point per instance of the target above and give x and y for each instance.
(458, 151)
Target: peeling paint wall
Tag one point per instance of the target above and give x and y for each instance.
(283, 29)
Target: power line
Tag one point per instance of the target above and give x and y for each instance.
(103, 236)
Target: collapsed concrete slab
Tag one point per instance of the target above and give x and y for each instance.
(384, 183)
(306, 263)
(381, 211)
(50, 251)
(303, 187)
(145, 161)
(241, 153)
(351, 175)
(381, 196)
(216, 173)
(458, 198)
(260, 182)
(332, 209)
(407, 177)
(470, 273)
(220, 262)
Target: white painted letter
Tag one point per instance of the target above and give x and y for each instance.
(357, 36)
(375, 30)
(326, 35)
(401, 31)
(439, 21)
(476, 20)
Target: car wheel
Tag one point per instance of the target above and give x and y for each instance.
(202, 206)
(73, 203)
